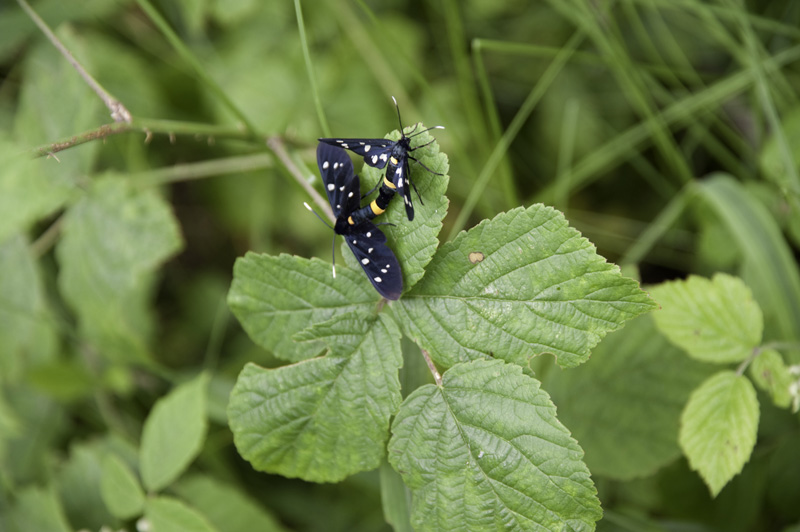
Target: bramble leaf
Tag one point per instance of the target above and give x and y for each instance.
(276, 297)
(173, 433)
(414, 243)
(113, 240)
(713, 320)
(485, 451)
(771, 374)
(325, 418)
(718, 428)
(517, 286)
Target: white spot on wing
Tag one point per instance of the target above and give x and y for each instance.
(383, 157)
(345, 145)
(335, 166)
(325, 165)
(364, 261)
(370, 250)
(350, 195)
(377, 279)
(366, 148)
(369, 235)
(400, 183)
(384, 270)
(375, 159)
(341, 188)
(331, 186)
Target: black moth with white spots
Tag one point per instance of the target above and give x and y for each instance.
(367, 242)
(392, 154)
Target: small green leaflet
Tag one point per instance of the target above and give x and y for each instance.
(166, 514)
(114, 238)
(277, 297)
(173, 433)
(485, 451)
(718, 428)
(713, 320)
(326, 418)
(414, 243)
(519, 285)
(771, 374)
(120, 488)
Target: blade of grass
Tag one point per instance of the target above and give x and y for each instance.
(510, 192)
(662, 223)
(630, 80)
(301, 27)
(187, 56)
(617, 150)
(769, 267)
(762, 84)
(511, 132)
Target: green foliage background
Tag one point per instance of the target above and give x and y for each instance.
(666, 131)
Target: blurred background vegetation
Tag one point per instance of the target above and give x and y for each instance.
(611, 111)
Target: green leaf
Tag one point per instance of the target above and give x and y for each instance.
(120, 488)
(768, 267)
(276, 297)
(414, 243)
(225, 506)
(713, 320)
(78, 482)
(113, 240)
(26, 331)
(173, 433)
(485, 451)
(165, 514)
(37, 509)
(326, 418)
(718, 428)
(520, 285)
(31, 188)
(771, 374)
(624, 405)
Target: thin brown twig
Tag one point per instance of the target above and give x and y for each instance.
(435, 372)
(277, 147)
(118, 111)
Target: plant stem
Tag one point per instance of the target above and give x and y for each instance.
(119, 112)
(431, 366)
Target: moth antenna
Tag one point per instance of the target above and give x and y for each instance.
(333, 245)
(424, 130)
(399, 121)
(318, 216)
(333, 256)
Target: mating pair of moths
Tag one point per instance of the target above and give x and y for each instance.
(353, 222)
